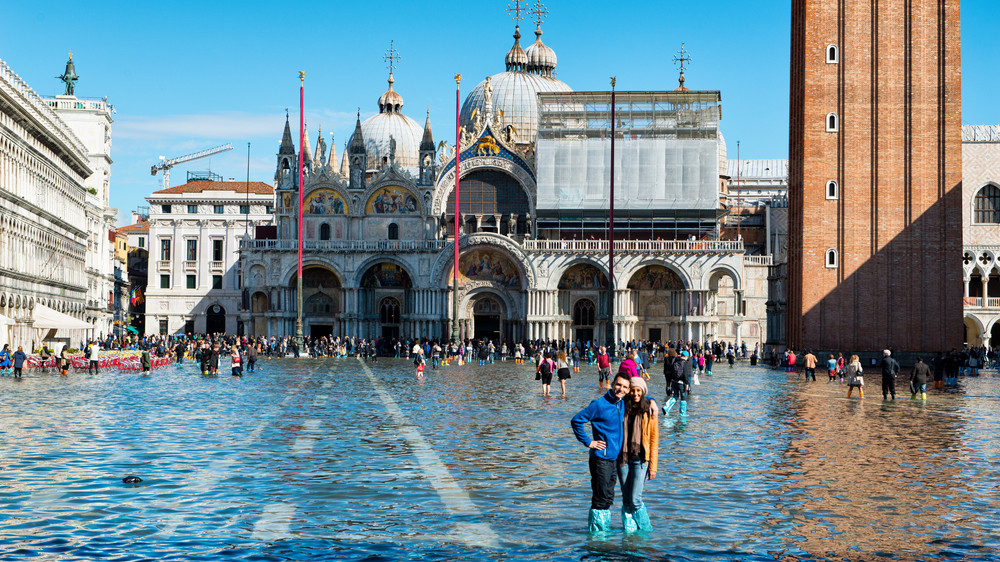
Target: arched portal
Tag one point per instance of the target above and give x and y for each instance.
(321, 298)
(390, 318)
(584, 319)
(215, 319)
(384, 303)
(487, 318)
(582, 296)
(658, 298)
(259, 306)
(995, 336)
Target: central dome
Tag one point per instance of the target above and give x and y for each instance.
(388, 125)
(514, 94)
(376, 131)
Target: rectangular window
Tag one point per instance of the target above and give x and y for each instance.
(191, 282)
(244, 209)
(165, 209)
(192, 250)
(219, 209)
(270, 209)
(216, 250)
(192, 209)
(142, 241)
(165, 249)
(216, 281)
(164, 281)
(163, 326)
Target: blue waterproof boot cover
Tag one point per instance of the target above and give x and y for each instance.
(628, 522)
(599, 521)
(684, 407)
(641, 517)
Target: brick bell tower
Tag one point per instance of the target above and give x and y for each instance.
(875, 171)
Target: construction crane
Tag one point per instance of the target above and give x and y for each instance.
(166, 164)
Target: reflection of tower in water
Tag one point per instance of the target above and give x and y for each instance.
(870, 475)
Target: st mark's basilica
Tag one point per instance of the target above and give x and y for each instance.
(535, 164)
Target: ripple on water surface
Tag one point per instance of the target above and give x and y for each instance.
(328, 459)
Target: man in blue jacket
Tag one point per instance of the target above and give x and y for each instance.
(606, 416)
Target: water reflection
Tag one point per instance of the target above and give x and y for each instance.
(303, 461)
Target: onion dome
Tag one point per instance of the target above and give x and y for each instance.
(541, 57)
(390, 101)
(516, 59)
(389, 126)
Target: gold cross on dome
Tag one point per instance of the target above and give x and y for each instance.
(391, 56)
(539, 12)
(515, 10)
(682, 59)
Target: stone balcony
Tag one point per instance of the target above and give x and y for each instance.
(534, 246)
(978, 302)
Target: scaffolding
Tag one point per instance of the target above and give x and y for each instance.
(667, 151)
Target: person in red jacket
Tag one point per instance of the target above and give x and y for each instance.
(603, 368)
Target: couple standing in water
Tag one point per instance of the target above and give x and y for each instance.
(624, 443)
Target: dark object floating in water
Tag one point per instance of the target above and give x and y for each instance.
(131, 480)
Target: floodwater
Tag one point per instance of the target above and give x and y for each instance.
(337, 460)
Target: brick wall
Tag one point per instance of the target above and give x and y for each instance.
(896, 156)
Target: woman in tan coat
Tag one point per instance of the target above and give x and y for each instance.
(640, 452)
(855, 378)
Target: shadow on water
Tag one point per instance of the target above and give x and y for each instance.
(305, 460)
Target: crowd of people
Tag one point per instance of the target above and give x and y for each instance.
(941, 370)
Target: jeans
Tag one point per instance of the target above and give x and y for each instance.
(678, 390)
(602, 482)
(632, 476)
(810, 372)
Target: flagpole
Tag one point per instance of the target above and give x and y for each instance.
(299, 340)
(458, 149)
(610, 329)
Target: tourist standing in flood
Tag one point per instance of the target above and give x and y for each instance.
(19, 358)
(562, 370)
(918, 379)
(543, 372)
(855, 377)
(831, 369)
(810, 361)
(606, 417)
(5, 359)
(639, 455)
(64, 360)
(890, 368)
(603, 368)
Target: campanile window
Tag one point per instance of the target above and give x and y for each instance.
(832, 54)
(832, 123)
(831, 258)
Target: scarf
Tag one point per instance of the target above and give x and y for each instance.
(633, 437)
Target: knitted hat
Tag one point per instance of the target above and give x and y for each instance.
(638, 382)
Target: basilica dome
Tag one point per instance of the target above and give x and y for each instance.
(390, 124)
(513, 92)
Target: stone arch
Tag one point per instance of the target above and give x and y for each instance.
(711, 279)
(366, 265)
(446, 182)
(445, 259)
(260, 302)
(629, 276)
(990, 190)
(292, 271)
(556, 276)
(488, 264)
(469, 298)
(258, 276)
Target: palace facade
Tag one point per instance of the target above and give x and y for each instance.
(379, 221)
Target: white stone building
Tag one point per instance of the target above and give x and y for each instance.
(981, 233)
(44, 234)
(90, 120)
(194, 283)
(379, 241)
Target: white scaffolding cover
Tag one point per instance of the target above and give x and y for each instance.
(649, 173)
(666, 150)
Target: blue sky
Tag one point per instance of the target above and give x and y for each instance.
(185, 76)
